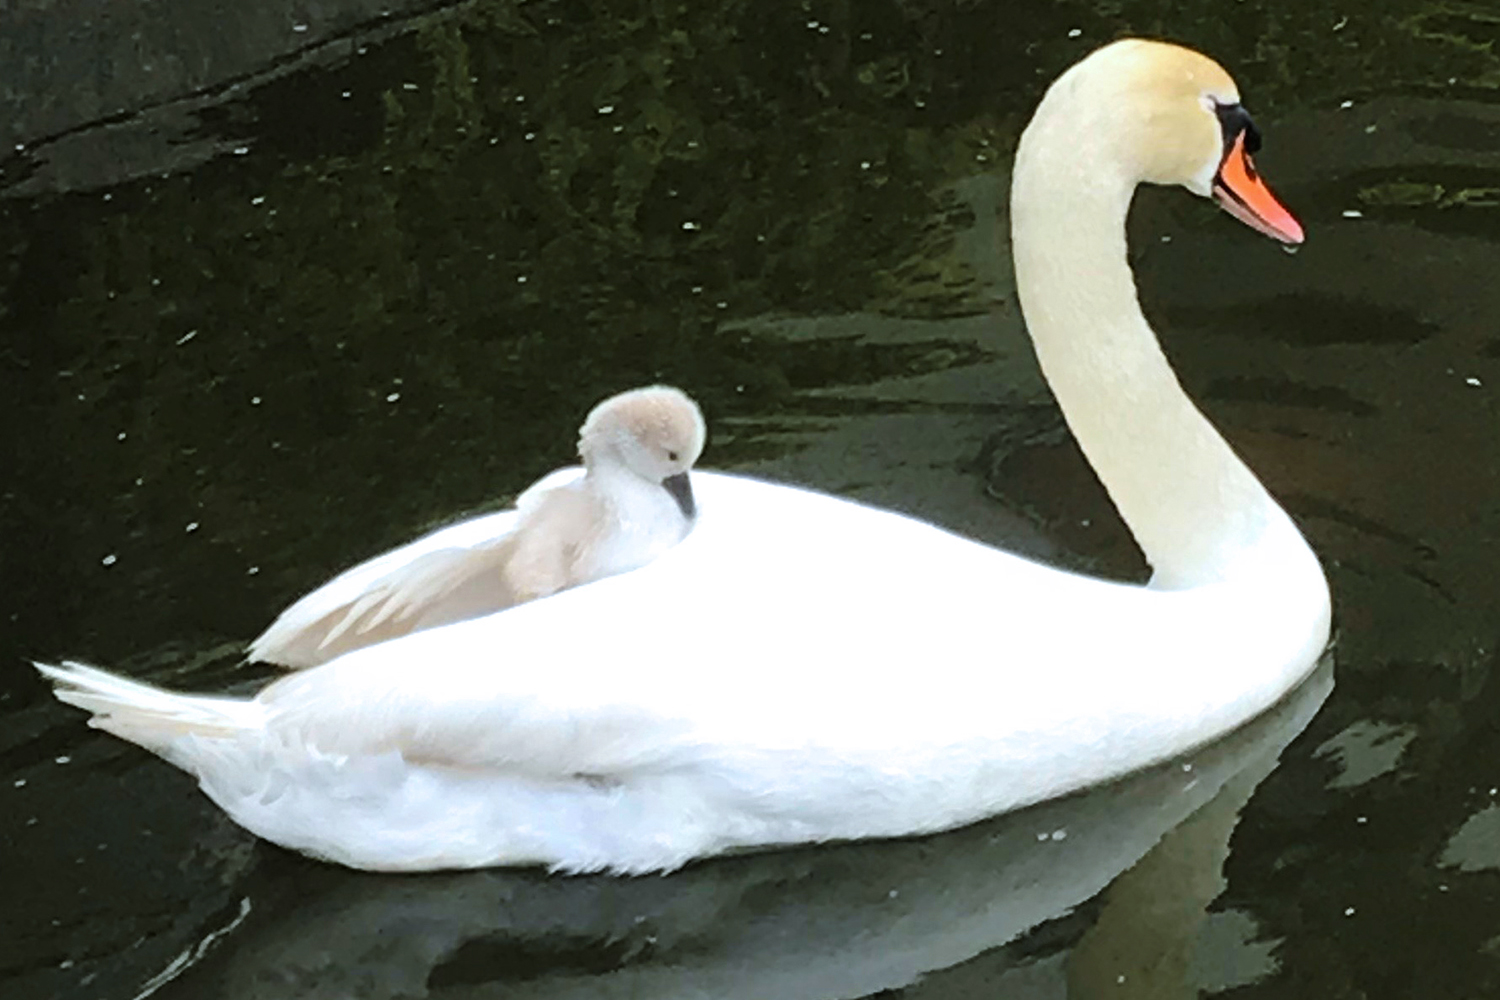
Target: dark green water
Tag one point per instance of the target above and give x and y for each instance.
(280, 287)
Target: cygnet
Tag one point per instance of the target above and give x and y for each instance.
(632, 502)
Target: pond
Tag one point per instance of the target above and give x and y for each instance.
(283, 286)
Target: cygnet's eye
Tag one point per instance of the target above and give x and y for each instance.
(671, 456)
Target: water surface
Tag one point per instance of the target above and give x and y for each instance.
(279, 288)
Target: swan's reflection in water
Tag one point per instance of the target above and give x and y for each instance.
(842, 921)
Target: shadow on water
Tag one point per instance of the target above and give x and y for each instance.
(274, 297)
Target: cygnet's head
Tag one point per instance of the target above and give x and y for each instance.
(1178, 120)
(656, 433)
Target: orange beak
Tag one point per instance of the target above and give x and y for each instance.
(1239, 191)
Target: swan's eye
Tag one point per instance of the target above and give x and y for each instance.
(1252, 136)
(1234, 119)
(671, 456)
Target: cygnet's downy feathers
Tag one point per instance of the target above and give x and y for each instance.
(632, 502)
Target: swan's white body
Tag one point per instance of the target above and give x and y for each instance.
(802, 668)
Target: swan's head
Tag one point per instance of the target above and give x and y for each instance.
(1177, 119)
(655, 433)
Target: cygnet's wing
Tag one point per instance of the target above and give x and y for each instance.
(552, 546)
(380, 602)
(450, 574)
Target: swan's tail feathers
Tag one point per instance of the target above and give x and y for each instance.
(148, 716)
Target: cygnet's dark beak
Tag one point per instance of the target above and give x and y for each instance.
(682, 492)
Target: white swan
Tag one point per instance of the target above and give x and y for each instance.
(632, 502)
(804, 669)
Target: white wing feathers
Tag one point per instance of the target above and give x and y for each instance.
(454, 573)
(383, 599)
(470, 712)
(429, 591)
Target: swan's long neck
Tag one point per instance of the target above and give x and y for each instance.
(1192, 505)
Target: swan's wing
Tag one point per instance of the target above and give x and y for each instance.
(712, 645)
(406, 584)
(448, 697)
(795, 637)
(638, 669)
(794, 626)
